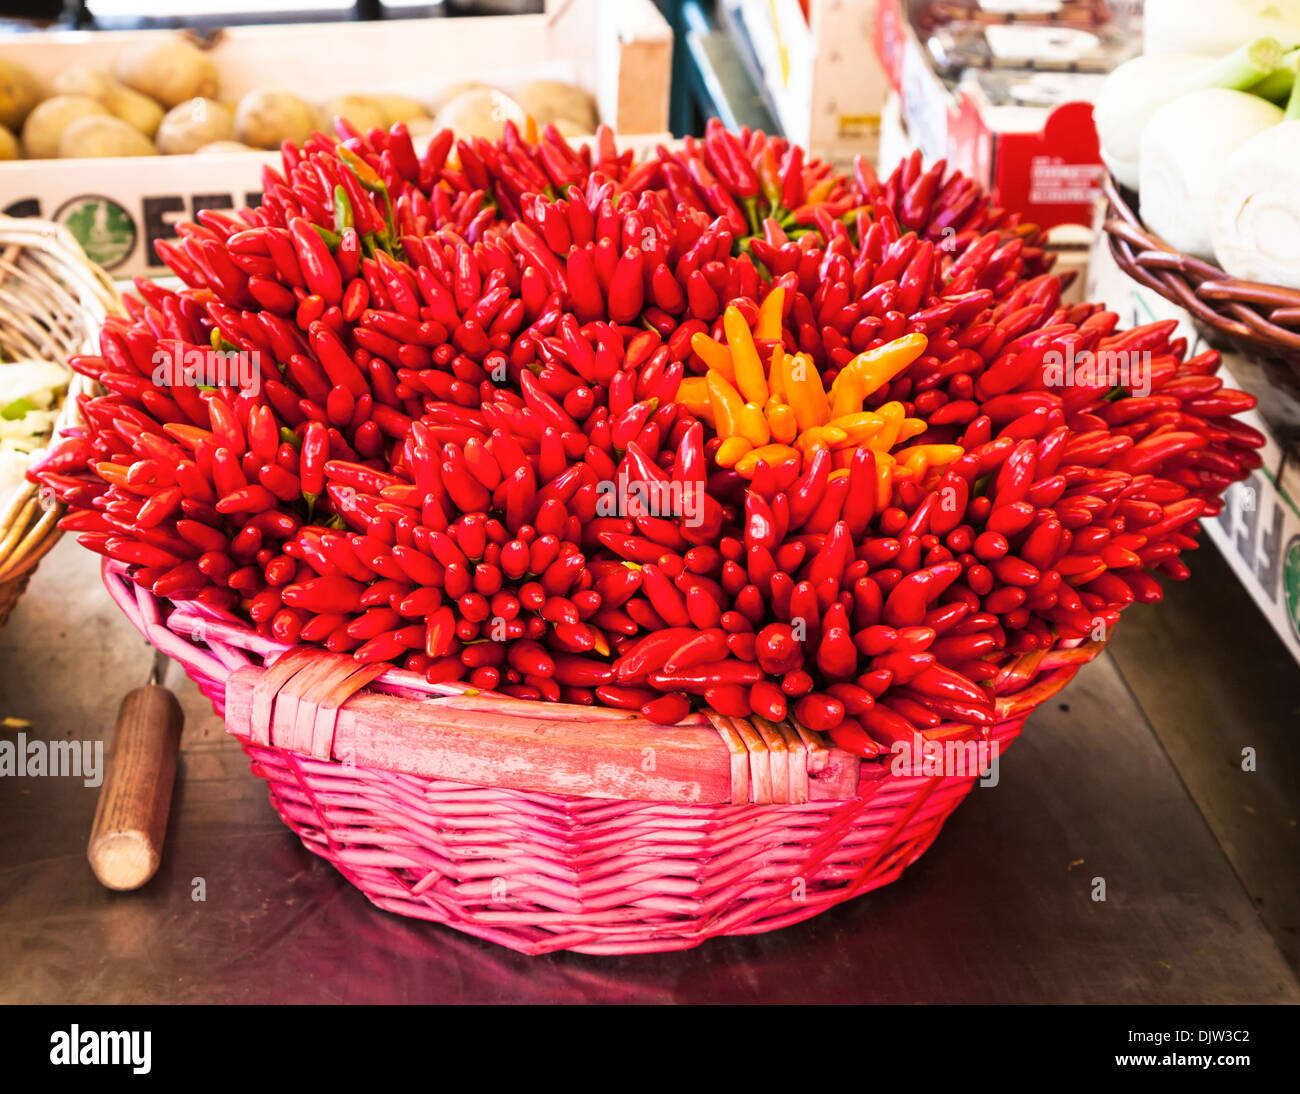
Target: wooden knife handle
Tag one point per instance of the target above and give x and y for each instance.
(131, 818)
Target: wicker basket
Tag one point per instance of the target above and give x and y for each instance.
(544, 827)
(53, 300)
(1258, 320)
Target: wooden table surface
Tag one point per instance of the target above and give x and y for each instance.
(1131, 778)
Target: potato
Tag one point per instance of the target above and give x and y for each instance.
(107, 136)
(571, 130)
(8, 145)
(401, 108)
(188, 127)
(451, 91)
(45, 124)
(132, 107)
(362, 112)
(169, 70)
(265, 119)
(83, 79)
(480, 113)
(223, 146)
(137, 110)
(19, 93)
(551, 100)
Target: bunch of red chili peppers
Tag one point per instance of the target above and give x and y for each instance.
(462, 352)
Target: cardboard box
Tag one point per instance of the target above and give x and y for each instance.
(117, 208)
(1044, 163)
(817, 72)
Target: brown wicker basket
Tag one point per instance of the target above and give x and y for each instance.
(1258, 320)
(53, 300)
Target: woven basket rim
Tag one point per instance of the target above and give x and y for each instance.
(216, 645)
(29, 520)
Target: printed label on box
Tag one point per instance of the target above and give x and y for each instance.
(1052, 181)
(120, 235)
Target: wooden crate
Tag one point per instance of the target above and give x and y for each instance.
(621, 52)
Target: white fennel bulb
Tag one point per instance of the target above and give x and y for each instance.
(1138, 88)
(1127, 99)
(1184, 149)
(1256, 226)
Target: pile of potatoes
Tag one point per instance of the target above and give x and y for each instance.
(162, 98)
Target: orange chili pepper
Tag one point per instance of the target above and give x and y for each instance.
(781, 420)
(807, 397)
(822, 436)
(892, 416)
(776, 374)
(753, 425)
(731, 450)
(860, 428)
(770, 311)
(727, 405)
(774, 455)
(751, 380)
(876, 367)
(846, 394)
(693, 394)
(714, 354)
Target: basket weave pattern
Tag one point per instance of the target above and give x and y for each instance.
(53, 300)
(1257, 319)
(538, 871)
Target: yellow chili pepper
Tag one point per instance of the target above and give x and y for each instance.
(727, 405)
(530, 135)
(769, 315)
(780, 419)
(860, 428)
(892, 416)
(911, 427)
(914, 461)
(821, 436)
(714, 354)
(803, 387)
(731, 450)
(846, 394)
(876, 367)
(753, 425)
(776, 375)
(750, 377)
(774, 455)
(936, 455)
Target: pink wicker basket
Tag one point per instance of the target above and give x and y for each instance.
(543, 827)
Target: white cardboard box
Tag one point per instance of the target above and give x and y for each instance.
(619, 49)
(821, 75)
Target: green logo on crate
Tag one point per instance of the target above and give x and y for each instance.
(1291, 582)
(104, 229)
